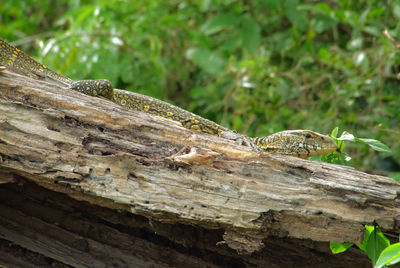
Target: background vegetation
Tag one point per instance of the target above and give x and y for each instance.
(256, 66)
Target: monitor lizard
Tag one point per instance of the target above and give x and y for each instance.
(301, 143)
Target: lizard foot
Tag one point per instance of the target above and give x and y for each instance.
(241, 140)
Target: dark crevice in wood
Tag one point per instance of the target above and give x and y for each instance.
(87, 183)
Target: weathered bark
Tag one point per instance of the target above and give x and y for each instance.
(88, 183)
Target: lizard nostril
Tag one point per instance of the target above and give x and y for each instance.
(286, 142)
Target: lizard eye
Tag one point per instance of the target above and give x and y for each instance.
(308, 135)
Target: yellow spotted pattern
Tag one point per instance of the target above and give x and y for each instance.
(299, 142)
(151, 105)
(19, 62)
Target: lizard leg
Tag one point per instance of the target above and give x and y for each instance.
(240, 139)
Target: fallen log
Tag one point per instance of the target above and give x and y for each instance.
(87, 183)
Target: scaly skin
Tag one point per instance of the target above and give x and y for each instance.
(301, 143)
(151, 105)
(19, 62)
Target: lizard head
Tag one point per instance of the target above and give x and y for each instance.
(301, 143)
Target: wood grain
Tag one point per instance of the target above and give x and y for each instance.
(95, 151)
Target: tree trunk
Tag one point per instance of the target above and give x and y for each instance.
(87, 183)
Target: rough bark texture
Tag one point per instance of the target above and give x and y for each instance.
(86, 183)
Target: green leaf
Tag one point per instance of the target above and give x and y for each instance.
(320, 8)
(297, 17)
(283, 41)
(355, 43)
(250, 33)
(220, 22)
(396, 9)
(205, 59)
(389, 256)
(271, 4)
(232, 42)
(341, 145)
(84, 15)
(373, 30)
(368, 230)
(376, 243)
(395, 176)
(321, 23)
(324, 54)
(339, 247)
(335, 132)
(346, 136)
(375, 144)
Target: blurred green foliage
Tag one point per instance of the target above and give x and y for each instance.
(257, 66)
(377, 246)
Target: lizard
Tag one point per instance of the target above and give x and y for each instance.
(300, 143)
